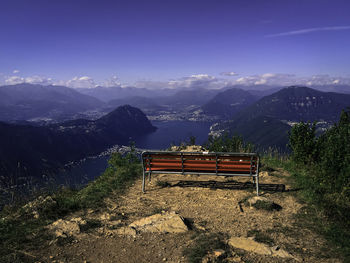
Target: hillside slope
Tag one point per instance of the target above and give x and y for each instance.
(28, 101)
(215, 212)
(33, 151)
(265, 122)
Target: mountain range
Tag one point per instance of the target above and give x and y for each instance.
(267, 121)
(39, 150)
(28, 101)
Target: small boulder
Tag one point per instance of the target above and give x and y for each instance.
(258, 248)
(167, 222)
(64, 228)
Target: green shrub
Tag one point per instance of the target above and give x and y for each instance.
(227, 143)
(302, 141)
(204, 243)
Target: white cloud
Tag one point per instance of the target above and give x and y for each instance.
(12, 80)
(279, 79)
(229, 74)
(112, 82)
(16, 71)
(81, 82)
(309, 30)
(38, 80)
(194, 81)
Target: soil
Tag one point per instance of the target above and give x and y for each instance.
(209, 204)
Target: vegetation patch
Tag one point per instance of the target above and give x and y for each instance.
(20, 231)
(163, 184)
(260, 237)
(267, 205)
(90, 224)
(202, 244)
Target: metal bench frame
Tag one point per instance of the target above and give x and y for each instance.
(253, 172)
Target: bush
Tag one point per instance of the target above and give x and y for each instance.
(326, 161)
(227, 143)
(302, 141)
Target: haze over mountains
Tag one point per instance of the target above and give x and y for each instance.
(82, 125)
(27, 101)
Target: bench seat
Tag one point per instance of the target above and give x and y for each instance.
(212, 163)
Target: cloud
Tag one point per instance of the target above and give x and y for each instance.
(38, 80)
(16, 71)
(194, 81)
(12, 80)
(229, 74)
(309, 30)
(81, 82)
(280, 79)
(112, 82)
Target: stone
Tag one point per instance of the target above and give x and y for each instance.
(259, 248)
(263, 174)
(168, 222)
(64, 228)
(254, 199)
(126, 231)
(250, 245)
(37, 206)
(217, 253)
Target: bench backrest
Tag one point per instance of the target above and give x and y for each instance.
(243, 164)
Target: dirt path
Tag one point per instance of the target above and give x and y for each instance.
(208, 208)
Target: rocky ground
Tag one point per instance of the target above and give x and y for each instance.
(180, 216)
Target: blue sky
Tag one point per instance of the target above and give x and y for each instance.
(161, 42)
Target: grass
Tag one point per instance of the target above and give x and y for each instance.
(260, 237)
(314, 215)
(202, 244)
(20, 232)
(266, 205)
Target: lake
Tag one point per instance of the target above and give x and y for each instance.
(168, 132)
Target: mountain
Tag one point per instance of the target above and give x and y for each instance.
(28, 101)
(227, 103)
(299, 104)
(107, 94)
(147, 105)
(265, 122)
(189, 97)
(38, 150)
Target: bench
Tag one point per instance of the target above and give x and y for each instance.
(202, 163)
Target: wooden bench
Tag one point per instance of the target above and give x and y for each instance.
(209, 163)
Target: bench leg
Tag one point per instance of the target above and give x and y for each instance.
(257, 185)
(143, 182)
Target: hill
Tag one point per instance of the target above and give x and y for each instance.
(30, 151)
(28, 101)
(299, 104)
(265, 122)
(227, 103)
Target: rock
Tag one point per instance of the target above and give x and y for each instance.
(78, 220)
(217, 253)
(126, 231)
(105, 217)
(38, 206)
(64, 228)
(168, 222)
(252, 201)
(258, 248)
(263, 174)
